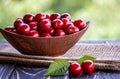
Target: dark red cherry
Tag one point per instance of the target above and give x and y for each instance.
(70, 24)
(45, 25)
(87, 66)
(23, 29)
(33, 25)
(54, 16)
(14, 31)
(60, 32)
(9, 28)
(47, 16)
(40, 16)
(72, 30)
(33, 33)
(52, 32)
(80, 24)
(66, 21)
(65, 15)
(75, 68)
(46, 35)
(28, 18)
(18, 22)
(57, 24)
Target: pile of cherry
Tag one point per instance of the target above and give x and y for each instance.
(46, 25)
(87, 67)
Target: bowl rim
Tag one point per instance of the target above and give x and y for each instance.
(87, 25)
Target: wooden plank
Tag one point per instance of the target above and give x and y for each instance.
(13, 71)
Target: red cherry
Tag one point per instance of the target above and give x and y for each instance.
(52, 32)
(75, 68)
(18, 22)
(28, 18)
(72, 30)
(47, 16)
(66, 21)
(33, 33)
(65, 15)
(88, 66)
(57, 24)
(33, 25)
(60, 32)
(14, 31)
(54, 16)
(45, 25)
(23, 29)
(70, 24)
(9, 28)
(79, 23)
(46, 35)
(40, 16)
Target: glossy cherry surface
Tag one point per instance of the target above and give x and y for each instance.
(18, 22)
(75, 68)
(65, 15)
(60, 32)
(33, 25)
(79, 23)
(57, 24)
(27, 18)
(45, 25)
(23, 29)
(55, 16)
(40, 16)
(33, 33)
(87, 66)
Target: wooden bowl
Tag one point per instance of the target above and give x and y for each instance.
(53, 46)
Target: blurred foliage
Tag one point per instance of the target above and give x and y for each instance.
(103, 14)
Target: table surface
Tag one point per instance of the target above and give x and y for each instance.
(14, 71)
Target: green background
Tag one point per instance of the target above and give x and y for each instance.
(104, 15)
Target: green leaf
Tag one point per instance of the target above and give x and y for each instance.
(58, 67)
(86, 57)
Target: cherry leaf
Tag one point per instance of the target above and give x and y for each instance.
(58, 67)
(86, 57)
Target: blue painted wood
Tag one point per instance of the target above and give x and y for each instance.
(13, 71)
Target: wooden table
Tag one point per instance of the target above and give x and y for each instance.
(15, 71)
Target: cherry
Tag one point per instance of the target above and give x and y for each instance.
(65, 21)
(60, 32)
(72, 30)
(45, 25)
(57, 24)
(9, 28)
(33, 25)
(79, 23)
(33, 33)
(46, 35)
(52, 32)
(23, 29)
(14, 31)
(40, 16)
(47, 16)
(18, 22)
(87, 66)
(27, 18)
(54, 16)
(70, 24)
(65, 15)
(75, 68)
